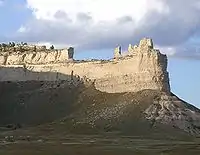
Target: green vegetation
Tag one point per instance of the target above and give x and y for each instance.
(11, 46)
(52, 47)
(98, 145)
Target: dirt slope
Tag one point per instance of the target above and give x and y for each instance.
(63, 107)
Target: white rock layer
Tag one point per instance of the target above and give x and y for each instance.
(144, 68)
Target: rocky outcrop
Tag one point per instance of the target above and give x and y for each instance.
(169, 109)
(118, 52)
(34, 55)
(137, 85)
(143, 68)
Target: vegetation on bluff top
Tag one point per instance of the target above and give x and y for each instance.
(21, 47)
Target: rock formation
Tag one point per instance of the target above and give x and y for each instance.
(143, 68)
(118, 52)
(138, 101)
(31, 54)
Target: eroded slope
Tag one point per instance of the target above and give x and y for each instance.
(64, 107)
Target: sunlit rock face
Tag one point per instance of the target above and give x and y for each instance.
(31, 54)
(142, 68)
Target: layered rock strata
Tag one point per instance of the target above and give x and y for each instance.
(143, 68)
(34, 55)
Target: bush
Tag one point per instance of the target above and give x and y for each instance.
(52, 47)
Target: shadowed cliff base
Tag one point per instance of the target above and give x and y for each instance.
(75, 106)
(36, 102)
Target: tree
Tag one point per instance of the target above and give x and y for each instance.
(10, 44)
(34, 48)
(13, 44)
(52, 47)
(4, 45)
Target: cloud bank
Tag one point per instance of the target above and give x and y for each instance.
(102, 24)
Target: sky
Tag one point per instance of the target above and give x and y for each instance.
(96, 27)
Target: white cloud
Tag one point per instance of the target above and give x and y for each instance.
(48, 45)
(102, 24)
(170, 51)
(22, 29)
(99, 9)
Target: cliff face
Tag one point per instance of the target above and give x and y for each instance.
(34, 55)
(138, 101)
(143, 68)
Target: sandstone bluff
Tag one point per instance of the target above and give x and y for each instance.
(142, 67)
(50, 92)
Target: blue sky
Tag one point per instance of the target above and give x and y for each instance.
(184, 79)
(12, 14)
(174, 28)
